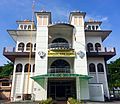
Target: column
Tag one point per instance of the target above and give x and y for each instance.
(105, 74)
(30, 80)
(16, 48)
(78, 88)
(25, 47)
(13, 85)
(97, 77)
(41, 57)
(22, 81)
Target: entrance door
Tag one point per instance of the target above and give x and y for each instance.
(61, 89)
(60, 92)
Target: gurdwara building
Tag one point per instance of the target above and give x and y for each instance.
(59, 60)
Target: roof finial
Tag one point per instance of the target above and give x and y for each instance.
(91, 20)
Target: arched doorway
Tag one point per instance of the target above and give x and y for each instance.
(61, 88)
(21, 46)
(90, 47)
(60, 43)
(98, 47)
(59, 40)
(60, 66)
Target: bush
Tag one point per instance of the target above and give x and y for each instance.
(48, 101)
(74, 101)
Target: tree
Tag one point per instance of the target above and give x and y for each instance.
(114, 73)
(6, 70)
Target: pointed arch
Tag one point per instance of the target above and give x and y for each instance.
(19, 67)
(29, 46)
(21, 46)
(92, 67)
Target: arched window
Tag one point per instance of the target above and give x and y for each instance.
(34, 46)
(21, 47)
(93, 27)
(21, 27)
(90, 47)
(60, 43)
(19, 68)
(60, 66)
(26, 68)
(29, 46)
(59, 40)
(97, 47)
(89, 27)
(100, 67)
(97, 27)
(92, 68)
(33, 68)
(25, 27)
(29, 27)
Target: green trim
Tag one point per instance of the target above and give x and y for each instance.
(60, 75)
(40, 79)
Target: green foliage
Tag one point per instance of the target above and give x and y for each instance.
(114, 73)
(74, 101)
(48, 101)
(6, 70)
(0, 69)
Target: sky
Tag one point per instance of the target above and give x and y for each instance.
(107, 11)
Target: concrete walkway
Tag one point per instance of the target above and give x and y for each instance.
(60, 102)
(114, 102)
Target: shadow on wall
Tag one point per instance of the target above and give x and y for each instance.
(4, 95)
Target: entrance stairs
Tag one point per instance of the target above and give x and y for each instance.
(61, 102)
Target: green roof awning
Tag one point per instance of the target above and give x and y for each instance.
(60, 75)
(40, 79)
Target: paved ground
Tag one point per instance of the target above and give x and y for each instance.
(62, 102)
(115, 102)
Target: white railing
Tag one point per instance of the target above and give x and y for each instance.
(60, 70)
(59, 46)
(9, 49)
(102, 49)
(108, 49)
(13, 49)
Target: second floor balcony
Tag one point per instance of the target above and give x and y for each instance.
(60, 70)
(107, 53)
(11, 53)
(58, 46)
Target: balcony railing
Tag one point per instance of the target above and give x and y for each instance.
(11, 53)
(60, 70)
(100, 49)
(107, 53)
(110, 49)
(9, 49)
(59, 46)
(20, 49)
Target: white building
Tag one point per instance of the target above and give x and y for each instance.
(66, 59)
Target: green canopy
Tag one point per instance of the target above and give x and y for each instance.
(60, 75)
(40, 79)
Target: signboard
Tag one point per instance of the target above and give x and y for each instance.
(61, 53)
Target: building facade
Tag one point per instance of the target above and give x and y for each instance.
(5, 88)
(59, 60)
